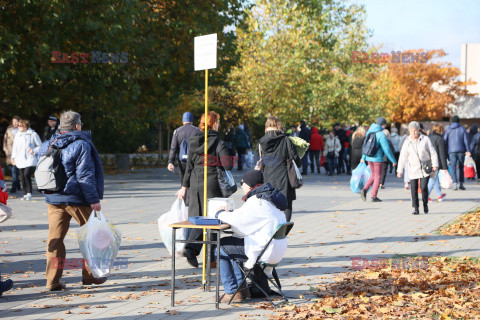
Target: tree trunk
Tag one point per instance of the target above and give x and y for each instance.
(169, 143)
(160, 142)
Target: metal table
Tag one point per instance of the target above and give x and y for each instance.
(218, 228)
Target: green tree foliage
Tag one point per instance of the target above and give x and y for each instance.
(119, 102)
(295, 62)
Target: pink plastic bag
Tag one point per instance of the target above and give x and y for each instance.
(446, 181)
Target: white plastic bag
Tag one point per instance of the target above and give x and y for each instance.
(178, 213)
(446, 181)
(249, 158)
(5, 212)
(99, 242)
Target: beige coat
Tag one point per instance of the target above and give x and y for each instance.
(8, 144)
(333, 144)
(408, 156)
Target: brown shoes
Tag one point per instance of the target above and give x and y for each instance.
(94, 281)
(59, 287)
(238, 298)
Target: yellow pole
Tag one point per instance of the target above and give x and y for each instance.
(205, 162)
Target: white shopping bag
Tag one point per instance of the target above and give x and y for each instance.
(178, 213)
(5, 212)
(214, 204)
(99, 242)
(249, 158)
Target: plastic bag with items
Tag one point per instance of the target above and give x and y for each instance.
(446, 181)
(359, 177)
(249, 158)
(99, 242)
(178, 213)
(469, 167)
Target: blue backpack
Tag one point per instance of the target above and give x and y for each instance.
(370, 145)
(183, 154)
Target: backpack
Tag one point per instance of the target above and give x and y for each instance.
(183, 154)
(370, 145)
(50, 174)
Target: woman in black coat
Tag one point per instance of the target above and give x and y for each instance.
(218, 155)
(436, 137)
(357, 145)
(275, 148)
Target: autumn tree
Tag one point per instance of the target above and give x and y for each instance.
(295, 60)
(420, 90)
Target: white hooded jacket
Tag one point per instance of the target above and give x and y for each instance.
(23, 141)
(256, 221)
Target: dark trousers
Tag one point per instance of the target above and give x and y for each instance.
(414, 192)
(14, 172)
(305, 163)
(182, 166)
(477, 165)
(288, 211)
(346, 161)
(315, 160)
(195, 208)
(241, 152)
(384, 173)
(26, 178)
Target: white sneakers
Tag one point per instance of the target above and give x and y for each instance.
(27, 197)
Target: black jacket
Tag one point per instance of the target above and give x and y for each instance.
(342, 136)
(217, 156)
(356, 149)
(271, 194)
(186, 131)
(305, 133)
(385, 158)
(49, 132)
(439, 145)
(276, 148)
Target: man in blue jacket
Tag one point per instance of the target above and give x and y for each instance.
(456, 141)
(375, 163)
(81, 195)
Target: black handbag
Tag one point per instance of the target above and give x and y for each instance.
(426, 165)
(224, 178)
(225, 181)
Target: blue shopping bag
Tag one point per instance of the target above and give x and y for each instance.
(359, 177)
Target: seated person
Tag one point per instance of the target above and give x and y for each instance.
(253, 225)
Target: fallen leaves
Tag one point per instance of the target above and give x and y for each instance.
(446, 288)
(467, 225)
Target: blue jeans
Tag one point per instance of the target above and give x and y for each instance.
(435, 184)
(457, 158)
(332, 164)
(305, 163)
(15, 181)
(231, 275)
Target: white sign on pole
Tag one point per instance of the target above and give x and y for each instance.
(205, 52)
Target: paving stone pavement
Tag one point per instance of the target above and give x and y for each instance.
(332, 226)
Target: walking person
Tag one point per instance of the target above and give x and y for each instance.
(275, 149)
(82, 194)
(356, 147)
(395, 140)
(375, 163)
(475, 150)
(420, 153)
(179, 147)
(456, 140)
(436, 137)
(332, 152)
(12, 130)
(316, 149)
(241, 143)
(305, 134)
(194, 175)
(341, 134)
(51, 129)
(386, 162)
(24, 152)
